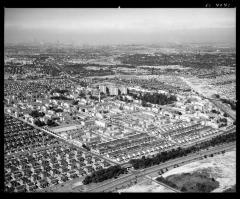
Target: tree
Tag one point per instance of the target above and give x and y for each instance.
(107, 91)
(216, 96)
(225, 114)
(36, 114)
(167, 155)
(51, 123)
(75, 102)
(103, 174)
(82, 95)
(39, 123)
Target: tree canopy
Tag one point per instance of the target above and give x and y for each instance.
(36, 114)
(179, 152)
(104, 174)
(155, 98)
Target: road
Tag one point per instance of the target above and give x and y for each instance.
(162, 184)
(223, 108)
(65, 140)
(135, 175)
(216, 102)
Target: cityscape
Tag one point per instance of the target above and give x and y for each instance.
(148, 113)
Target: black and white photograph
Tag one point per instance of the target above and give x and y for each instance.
(119, 100)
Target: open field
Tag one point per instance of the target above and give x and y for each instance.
(194, 182)
(220, 167)
(146, 186)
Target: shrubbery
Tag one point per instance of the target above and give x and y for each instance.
(39, 123)
(36, 114)
(61, 97)
(231, 103)
(169, 183)
(179, 152)
(104, 174)
(156, 98)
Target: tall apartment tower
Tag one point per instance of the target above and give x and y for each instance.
(99, 97)
(102, 88)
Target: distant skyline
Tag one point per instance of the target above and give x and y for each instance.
(120, 26)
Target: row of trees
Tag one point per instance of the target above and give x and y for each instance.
(155, 98)
(39, 123)
(230, 102)
(179, 152)
(75, 102)
(36, 114)
(83, 95)
(86, 147)
(222, 122)
(82, 83)
(49, 122)
(61, 97)
(57, 90)
(104, 174)
(57, 110)
(93, 97)
(215, 111)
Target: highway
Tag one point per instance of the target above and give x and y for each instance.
(165, 185)
(135, 175)
(188, 158)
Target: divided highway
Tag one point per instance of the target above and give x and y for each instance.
(124, 180)
(134, 176)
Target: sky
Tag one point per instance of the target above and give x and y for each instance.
(119, 25)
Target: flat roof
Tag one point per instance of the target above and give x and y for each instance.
(69, 127)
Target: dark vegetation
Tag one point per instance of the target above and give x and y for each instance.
(86, 147)
(167, 182)
(196, 60)
(155, 98)
(57, 110)
(51, 123)
(75, 102)
(39, 123)
(81, 70)
(93, 97)
(215, 111)
(230, 102)
(36, 114)
(104, 174)
(57, 90)
(180, 152)
(191, 182)
(61, 97)
(232, 189)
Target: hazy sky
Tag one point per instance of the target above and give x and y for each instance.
(106, 26)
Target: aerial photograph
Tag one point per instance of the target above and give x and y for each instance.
(120, 100)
